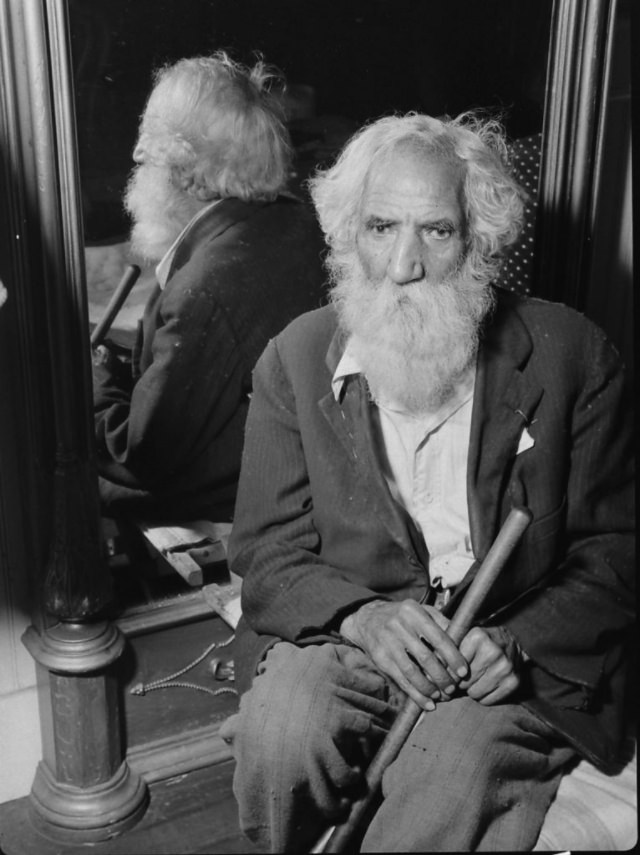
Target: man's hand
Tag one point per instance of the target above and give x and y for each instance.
(493, 656)
(103, 356)
(107, 365)
(408, 643)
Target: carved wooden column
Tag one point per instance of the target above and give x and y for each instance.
(581, 39)
(83, 790)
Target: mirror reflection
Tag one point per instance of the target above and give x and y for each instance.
(345, 62)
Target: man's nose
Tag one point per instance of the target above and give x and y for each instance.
(139, 152)
(407, 260)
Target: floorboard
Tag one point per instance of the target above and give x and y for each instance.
(192, 814)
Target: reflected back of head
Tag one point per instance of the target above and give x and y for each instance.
(219, 126)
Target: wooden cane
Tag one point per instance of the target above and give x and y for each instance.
(337, 837)
(116, 302)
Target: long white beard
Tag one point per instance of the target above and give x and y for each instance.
(159, 210)
(414, 342)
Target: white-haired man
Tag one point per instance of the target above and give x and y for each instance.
(389, 435)
(237, 259)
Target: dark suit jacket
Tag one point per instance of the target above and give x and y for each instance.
(169, 439)
(317, 532)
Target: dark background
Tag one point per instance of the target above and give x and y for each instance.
(362, 58)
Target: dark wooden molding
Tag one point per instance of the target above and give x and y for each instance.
(47, 299)
(165, 614)
(27, 445)
(580, 41)
(75, 648)
(179, 753)
(83, 789)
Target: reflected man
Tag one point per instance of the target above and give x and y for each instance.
(237, 259)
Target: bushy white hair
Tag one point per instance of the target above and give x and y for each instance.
(219, 126)
(494, 201)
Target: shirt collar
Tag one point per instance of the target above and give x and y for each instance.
(164, 266)
(347, 366)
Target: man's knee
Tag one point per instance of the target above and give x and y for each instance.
(318, 705)
(289, 699)
(486, 738)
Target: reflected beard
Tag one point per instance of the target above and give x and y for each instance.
(415, 342)
(159, 211)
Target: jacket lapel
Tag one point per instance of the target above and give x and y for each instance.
(505, 399)
(350, 419)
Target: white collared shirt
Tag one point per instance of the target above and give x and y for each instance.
(424, 461)
(164, 265)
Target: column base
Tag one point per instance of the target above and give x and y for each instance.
(77, 815)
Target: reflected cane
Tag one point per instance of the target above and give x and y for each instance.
(336, 838)
(116, 302)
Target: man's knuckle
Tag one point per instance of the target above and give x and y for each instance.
(513, 681)
(408, 670)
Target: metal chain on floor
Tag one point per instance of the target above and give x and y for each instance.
(170, 681)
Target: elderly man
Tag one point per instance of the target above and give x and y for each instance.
(388, 437)
(237, 259)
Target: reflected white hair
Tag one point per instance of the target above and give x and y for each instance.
(219, 127)
(494, 201)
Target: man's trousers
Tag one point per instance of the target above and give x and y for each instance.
(469, 778)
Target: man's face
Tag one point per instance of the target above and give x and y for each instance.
(406, 293)
(153, 127)
(160, 209)
(411, 223)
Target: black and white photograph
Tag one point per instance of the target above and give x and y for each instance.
(317, 482)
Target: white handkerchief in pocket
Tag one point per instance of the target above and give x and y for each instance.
(526, 441)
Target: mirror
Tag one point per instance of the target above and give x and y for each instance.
(346, 61)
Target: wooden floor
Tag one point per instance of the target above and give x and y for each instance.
(193, 814)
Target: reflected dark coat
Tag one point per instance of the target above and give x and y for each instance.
(169, 438)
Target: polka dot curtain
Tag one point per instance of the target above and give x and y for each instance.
(517, 269)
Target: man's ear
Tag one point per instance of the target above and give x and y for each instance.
(182, 172)
(201, 190)
(185, 179)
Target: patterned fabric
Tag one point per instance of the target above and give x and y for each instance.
(593, 811)
(517, 270)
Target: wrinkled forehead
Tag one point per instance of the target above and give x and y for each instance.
(423, 157)
(409, 171)
(163, 110)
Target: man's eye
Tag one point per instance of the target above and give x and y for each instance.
(380, 228)
(440, 233)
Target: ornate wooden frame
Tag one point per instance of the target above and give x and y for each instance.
(579, 60)
(84, 789)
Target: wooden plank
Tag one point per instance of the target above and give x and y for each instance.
(184, 564)
(188, 548)
(225, 599)
(180, 752)
(163, 614)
